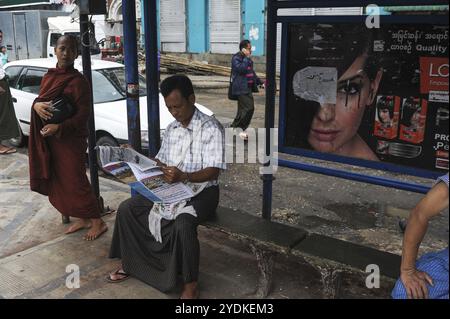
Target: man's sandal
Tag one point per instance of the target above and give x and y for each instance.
(119, 272)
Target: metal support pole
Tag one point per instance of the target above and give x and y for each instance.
(131, 73)
(375, 180)
(270, 103)
(152, 73)
(86, 57)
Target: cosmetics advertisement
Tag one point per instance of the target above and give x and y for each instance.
(376, 94)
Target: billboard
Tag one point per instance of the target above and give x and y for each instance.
(376, 95)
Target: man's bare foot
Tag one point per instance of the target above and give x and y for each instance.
(190, 291)
(79, 224)
(98, 228)
(118, 275)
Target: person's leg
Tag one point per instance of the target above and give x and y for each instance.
(69, 189)
(125, 220)
(98, 227)
(205, 205)
(79, 224)
(248, 108)
(435, 264)
(185, 226)
(238, 118)
(6, 149)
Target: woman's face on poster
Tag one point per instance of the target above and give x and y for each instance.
(384, 115)
(336, 125)
(416, 117)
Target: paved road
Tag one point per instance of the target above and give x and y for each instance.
(360, 213)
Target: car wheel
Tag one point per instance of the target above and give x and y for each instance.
(18, 141)
(107, 140)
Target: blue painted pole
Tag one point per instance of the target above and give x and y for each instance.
(152, 73)
(142, 24)
(411, 187)
(131, 73)
(354, 3)
(269, 117)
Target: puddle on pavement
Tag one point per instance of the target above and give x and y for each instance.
(357, 216)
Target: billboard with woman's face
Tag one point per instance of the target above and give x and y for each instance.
(372, 94)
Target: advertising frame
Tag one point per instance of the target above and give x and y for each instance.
(286, 21)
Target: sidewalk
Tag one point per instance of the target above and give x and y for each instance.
(206, 82)
(31, 232)
(34, 252)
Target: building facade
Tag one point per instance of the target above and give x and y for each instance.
(212, 29)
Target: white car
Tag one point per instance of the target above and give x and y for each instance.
(110, 107)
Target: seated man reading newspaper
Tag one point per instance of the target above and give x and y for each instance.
(157, 240)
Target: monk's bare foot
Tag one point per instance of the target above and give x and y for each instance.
(6, 149)
(98, 228)
(190, 291)
(79, 224)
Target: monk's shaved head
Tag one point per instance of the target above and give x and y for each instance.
(66, 50)
(68, 40)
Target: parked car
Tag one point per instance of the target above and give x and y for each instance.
(110, 107)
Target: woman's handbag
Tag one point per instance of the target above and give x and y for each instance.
(230, 91)
(61, 109)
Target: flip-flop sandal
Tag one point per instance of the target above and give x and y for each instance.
(119, 272)
(9, 150)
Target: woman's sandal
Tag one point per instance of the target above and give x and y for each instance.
(118, 272)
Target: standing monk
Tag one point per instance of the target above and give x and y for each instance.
(57, 151)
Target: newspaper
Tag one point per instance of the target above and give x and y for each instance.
(144, 176)
(109, 154)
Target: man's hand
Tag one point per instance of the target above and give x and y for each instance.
(49, 130)
(43, 110)
(415, 283)
(172, 174)
(246, 52)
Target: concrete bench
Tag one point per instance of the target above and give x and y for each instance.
(264, 238)
(331, 257)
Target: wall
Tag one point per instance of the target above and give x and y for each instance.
(254, 23)
(197, 26)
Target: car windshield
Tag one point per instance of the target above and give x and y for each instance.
(117, 77)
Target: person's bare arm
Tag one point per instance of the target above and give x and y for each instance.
(431, 205)
(173, 175)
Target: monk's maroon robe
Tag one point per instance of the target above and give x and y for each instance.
(57, 163)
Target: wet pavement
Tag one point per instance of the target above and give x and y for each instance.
(36, 257)
(347, 210)
(34, 253)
